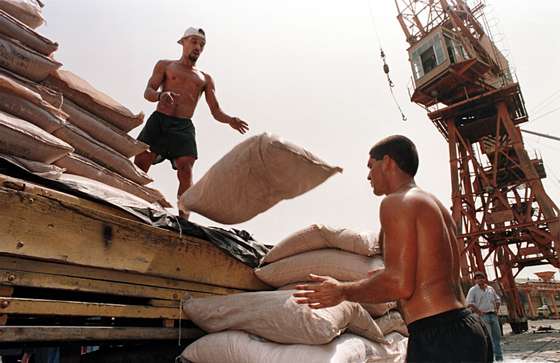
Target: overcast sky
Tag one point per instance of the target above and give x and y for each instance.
(309, 71)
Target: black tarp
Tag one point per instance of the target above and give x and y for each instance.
(237, 243)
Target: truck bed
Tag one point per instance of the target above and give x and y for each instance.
(93, 272)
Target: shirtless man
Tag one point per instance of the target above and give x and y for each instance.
(421, 265)
(169, 131)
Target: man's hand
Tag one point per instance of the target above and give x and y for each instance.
(168, 97)
(326, 294)
(238, 124)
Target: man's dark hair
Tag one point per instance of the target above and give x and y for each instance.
(479, 274)
(400, 149)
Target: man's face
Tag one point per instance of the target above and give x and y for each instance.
(375, 176)
(480, 281)
(193, 47)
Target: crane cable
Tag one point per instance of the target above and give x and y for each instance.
(385, 65)
(539, 134)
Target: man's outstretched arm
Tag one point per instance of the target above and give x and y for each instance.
(217, 113)
(396, 281)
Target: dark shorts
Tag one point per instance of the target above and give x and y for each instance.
(453, 336)
(169, 137)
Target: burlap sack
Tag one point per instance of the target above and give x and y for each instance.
(86, 96)
(238, 346)
(15, 29)
(392, 322)
(379, 309)
(50, 96)
(341, 265)
(318, 236)
(26, 104)
(375, 310)
(253, 177)
(108, 193)
(25, 61)
(27, 11)
(94, 150)
(49, 171)
(102, 131)
(79, 165)
(23, 139)
(276, 316)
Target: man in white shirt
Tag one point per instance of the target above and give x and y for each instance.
(484, 301)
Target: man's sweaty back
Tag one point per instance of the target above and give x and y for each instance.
(416, 217)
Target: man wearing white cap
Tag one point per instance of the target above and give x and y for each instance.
(176, 85)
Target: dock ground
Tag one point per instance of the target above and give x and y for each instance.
(538, 344)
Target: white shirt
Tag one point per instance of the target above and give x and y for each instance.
(485, 300)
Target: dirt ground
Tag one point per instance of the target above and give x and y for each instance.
(534, 345)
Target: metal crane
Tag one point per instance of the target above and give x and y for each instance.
(461, 78)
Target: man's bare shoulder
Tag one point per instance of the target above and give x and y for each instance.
(410, 202)
(206, 75)
(396, 204)
(408, 198)
(162, 64)
(208, 81)
(421, 198)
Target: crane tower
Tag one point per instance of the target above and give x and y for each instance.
(503, 214)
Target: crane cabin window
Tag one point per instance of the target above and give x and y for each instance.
(455, 50)
(427, 56)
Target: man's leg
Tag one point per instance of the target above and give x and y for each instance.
(490, 326)
(144, 160)
(184, 166)
(496, 336)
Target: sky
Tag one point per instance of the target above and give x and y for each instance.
(310, 72)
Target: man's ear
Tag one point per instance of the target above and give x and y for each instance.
(386, 163)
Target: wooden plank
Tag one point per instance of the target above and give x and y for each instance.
(166, 303)
(40, 280)
(75, 333)
(28, 265)
(38, 227)
(12, 305)
(6, 290)
(31, 188)
(168, 323)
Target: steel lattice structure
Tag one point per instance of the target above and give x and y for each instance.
(502, 211)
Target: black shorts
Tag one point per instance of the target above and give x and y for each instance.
(169, 137)
(453, 336)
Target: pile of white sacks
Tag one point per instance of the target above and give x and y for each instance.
(57, 125)
(270, 326)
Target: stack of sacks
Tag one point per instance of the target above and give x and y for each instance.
(52, 116)
(271, 327)
(24, 51)
(97, 127)
(341, 253)
(238, 346)
(283, 331)
(392, 322)
(26, 120)
(26, 11)
(260, 172)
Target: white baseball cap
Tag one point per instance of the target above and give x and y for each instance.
(197, 32)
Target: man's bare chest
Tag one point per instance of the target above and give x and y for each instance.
(188, 80)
